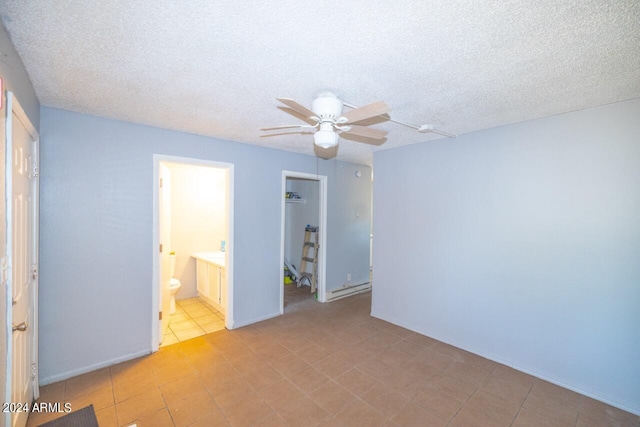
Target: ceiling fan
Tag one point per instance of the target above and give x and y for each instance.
(329, 120)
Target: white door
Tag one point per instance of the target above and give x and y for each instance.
(22, 251)
(164, 221)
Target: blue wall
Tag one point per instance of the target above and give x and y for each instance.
(96, 233)
(522, 244)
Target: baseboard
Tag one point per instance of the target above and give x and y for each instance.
(511, 364)
(91, 368)
(214, 304)
(347, 291)
(243, 323)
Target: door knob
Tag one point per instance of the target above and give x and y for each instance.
(21, 327)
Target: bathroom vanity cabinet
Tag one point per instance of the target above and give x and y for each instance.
(211, 278)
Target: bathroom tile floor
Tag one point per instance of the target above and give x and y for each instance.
(193, 318)
(323, 365)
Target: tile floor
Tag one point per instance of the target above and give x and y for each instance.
(193, 318)
(323, 365)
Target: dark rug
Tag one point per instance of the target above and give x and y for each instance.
(85, 417)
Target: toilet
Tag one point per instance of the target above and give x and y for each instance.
(174, 285)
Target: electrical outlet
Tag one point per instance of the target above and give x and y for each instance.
(349, 277)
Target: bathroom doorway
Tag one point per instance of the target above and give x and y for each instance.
(193, 248)
(304, 209)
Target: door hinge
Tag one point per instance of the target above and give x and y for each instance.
(159, 315)
(34, 271)
(160, 247)
(34, 370)
(160, 182)
(32, 165)
(4, 267)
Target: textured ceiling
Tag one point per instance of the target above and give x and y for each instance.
(216, 67)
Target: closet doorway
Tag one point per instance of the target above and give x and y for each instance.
(305, 206)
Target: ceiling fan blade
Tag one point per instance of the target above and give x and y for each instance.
(289, 127)
(366, 132)
(366, 111)
(297, 107)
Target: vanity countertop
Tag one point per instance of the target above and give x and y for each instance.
(217, 258)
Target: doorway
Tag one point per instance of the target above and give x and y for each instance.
(193, 248)
(305, 206)
(20, 266)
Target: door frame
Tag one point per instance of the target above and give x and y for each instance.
(322, 253)
(155, 287)
(14, 107)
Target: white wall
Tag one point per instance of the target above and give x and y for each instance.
(198, 210)
(96, 232)
(15, 79)
(298, 215)
(522, 244)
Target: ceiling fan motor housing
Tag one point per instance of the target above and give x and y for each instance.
(327, 106)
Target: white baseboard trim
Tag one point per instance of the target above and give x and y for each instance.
(511, 364)
(347, 291)
(237, 325)
(91, 368)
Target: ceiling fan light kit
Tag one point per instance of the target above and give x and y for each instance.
(325, 138)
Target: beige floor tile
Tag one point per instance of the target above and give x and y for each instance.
(52, 392)
(124, 390)
(169, 339)
(436, 399)
(183, 388)
(486, 409)
(233, 392)
(160, 418)
(333, 366)
(87, 382)
(182, 326)
(595, 410)
(107, 417)
(199, 312)
(187, 302)
(313, 353)
(533, 417)
(356, 382)
(130, 369)
(273, 420)
(100, 398)
(466, 372)
(414, 415)
(187, 334)
(358, 413)
(249, 411)
(290, 364)
(140, 406)
(272, 352)
(262, 377)
(199, 405)
(357, 370)
(331, 397)
(302, 411)
(385, 399)
(208, 318)
(511, 390)
(280, 392)
(179, 317)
